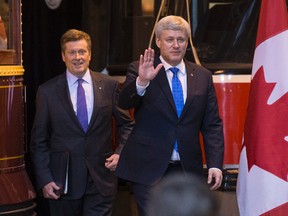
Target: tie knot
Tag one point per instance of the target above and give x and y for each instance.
(174, 70)
(80, 81)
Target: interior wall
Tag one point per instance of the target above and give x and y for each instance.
(95, 21)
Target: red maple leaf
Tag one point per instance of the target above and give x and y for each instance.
(279, 210)
(266, 127)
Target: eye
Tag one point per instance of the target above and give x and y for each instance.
(82, 52)
(72, 52)
(169, 40)
(181, 40)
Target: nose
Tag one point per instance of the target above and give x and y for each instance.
(175, 43)
(77, 55)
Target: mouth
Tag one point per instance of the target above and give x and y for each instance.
(175, 53)
(78, 64)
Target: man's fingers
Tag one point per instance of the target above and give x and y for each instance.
(159, 66)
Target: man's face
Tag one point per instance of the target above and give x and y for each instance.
(77, 57)
(172, 45)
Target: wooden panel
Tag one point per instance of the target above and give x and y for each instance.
(7, 57)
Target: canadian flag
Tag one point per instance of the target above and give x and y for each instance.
(262, 187)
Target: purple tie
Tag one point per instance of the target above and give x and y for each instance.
(81, 106)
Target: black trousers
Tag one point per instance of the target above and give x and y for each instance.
(91, 204)
(142, 192)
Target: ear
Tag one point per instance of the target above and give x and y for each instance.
(158, 42)
(63, 56)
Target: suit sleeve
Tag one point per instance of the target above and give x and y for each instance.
(39, 144)
(124, 122)
(212, 130)
(128, 97)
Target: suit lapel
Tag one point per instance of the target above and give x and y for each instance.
(97, 88)
(191, 85)
(64, 96)
(162, 81)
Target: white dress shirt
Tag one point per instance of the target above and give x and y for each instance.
(88, 88)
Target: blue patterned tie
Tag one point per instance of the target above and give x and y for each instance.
(81, 106)
(177, 92)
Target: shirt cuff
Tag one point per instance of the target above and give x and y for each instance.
(141, 89)
(216, 169)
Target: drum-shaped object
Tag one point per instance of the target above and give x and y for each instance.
(232, 94)
(16, 190)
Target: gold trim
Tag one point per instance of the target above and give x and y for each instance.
(11, 158)
(11, 86)
(11, 70)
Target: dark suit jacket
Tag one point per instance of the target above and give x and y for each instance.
(56, 128)
(148, 150)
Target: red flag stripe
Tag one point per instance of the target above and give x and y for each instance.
(267, 21)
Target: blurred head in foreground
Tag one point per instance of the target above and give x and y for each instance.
(182, 195)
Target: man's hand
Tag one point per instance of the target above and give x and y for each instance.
(50, 191)
(147, 71)
(215, 174)
(112, 161)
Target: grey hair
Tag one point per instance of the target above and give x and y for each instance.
(172, 22)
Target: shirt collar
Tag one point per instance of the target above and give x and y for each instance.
(71, 79)
(180, 66)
